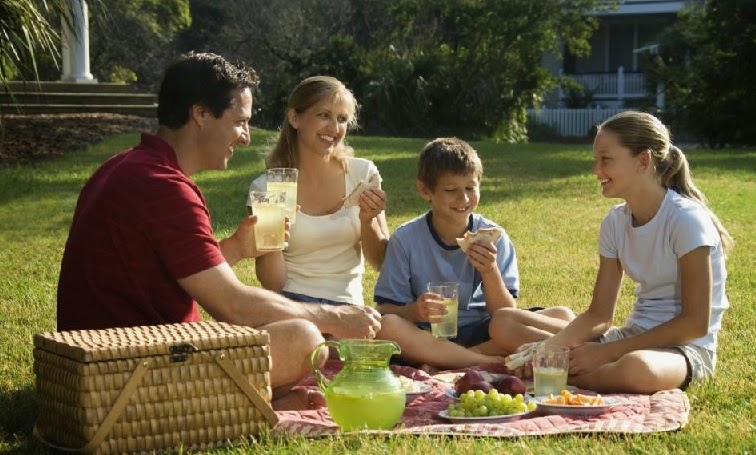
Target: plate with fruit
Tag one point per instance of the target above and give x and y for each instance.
(477, 380)
(567, 403)
(414, 389)
(488, 407)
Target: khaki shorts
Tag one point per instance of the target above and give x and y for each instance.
(700, 361)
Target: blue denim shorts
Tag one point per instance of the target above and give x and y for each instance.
(308, 299)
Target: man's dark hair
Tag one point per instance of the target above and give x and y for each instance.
(203, 79)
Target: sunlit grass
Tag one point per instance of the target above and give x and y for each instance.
(543, 195)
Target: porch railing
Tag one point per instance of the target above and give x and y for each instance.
(619, 85)
(571, 122)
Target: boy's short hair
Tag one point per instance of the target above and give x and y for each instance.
(447, 154)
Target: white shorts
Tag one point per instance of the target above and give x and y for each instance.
(700, 361)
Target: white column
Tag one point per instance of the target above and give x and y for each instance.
(660, 101)
(75, 52)
(621, 83)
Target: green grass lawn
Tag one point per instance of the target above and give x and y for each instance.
(543, 195)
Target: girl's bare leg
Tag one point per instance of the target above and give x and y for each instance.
(510, 328)
(644, 371)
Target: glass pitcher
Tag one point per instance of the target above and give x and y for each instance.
(365, 393)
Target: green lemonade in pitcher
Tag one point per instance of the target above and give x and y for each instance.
(365, 394)
(355, 409)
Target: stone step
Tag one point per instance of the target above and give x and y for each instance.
(67, 87)
(138, 110)
(23, 98)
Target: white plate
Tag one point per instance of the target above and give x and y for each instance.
(574, 410)
(490, 419)
(423, 388)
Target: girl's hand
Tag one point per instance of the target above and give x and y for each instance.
(429, 308)
(587, 358)
(482, 256)
(372, 203)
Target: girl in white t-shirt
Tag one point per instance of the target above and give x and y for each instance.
(672, 245)
(323, 262)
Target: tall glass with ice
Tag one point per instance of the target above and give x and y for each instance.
(284, 179)
(449, 292)
(270, 209)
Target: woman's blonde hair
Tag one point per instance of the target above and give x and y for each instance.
(308, 93)
(640, 131)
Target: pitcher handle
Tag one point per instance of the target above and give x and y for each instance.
(320, 378)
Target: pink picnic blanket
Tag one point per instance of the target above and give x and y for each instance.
(663, 411)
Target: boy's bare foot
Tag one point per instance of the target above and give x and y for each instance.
(299, 400)
(430, 369)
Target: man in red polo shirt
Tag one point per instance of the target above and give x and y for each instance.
(141, 249)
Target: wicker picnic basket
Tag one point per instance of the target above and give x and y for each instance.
(148, 388)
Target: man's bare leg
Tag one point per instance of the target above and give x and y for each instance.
(291, 343)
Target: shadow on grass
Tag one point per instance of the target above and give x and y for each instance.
(19, 412)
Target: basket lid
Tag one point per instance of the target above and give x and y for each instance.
(143, 341)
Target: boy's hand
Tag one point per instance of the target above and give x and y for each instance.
(429, 308)
(482, 256)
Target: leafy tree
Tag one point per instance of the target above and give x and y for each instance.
(707, 62)
(133, 40)
(418, 67)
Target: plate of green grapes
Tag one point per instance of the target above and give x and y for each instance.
(488, 407)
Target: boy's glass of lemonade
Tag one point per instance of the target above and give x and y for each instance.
(550, 366)
(270, 209)
(449, 292)
(284, 179)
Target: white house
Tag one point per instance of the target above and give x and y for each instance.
(612, 75)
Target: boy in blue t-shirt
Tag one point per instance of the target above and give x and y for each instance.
(425, 250)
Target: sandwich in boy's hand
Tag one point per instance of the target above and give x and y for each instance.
(483, 235)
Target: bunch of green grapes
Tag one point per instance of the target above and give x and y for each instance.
(477, 403)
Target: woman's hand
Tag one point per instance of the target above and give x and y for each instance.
(372, 203)
(428, 308)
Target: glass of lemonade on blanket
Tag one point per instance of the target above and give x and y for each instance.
(284, 179)
(550, 366)
(449, 292)
(270, 229)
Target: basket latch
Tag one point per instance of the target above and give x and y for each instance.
(180, 352)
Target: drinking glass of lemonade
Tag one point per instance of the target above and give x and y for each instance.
(284, 179)
(270, 209)
(550, 366)
(449, 292)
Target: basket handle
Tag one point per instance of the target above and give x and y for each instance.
(111, 418)
(249, 390)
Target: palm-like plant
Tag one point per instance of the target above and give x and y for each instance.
(26, 31)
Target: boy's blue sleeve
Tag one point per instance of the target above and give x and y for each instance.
(507, 262)
(393, 285)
